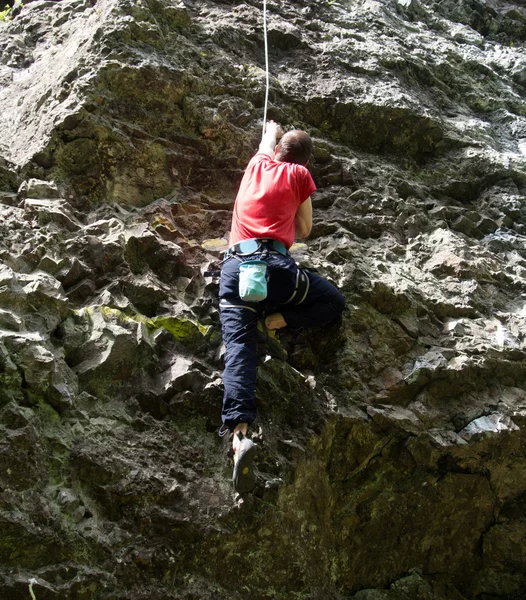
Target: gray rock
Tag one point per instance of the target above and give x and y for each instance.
(52, 211)
(37, 189)
(9, 320)
(494, 423)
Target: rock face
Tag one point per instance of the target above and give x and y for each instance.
(392, 461)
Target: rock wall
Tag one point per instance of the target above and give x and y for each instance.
(392, 460)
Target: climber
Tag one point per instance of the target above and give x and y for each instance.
(272, 208)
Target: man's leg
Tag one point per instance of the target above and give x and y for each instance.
(324, 303)
(239, 325)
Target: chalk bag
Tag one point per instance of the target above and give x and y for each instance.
(253, 280)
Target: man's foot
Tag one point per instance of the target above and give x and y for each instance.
(275, 321)
(272, 344)
(244, 478)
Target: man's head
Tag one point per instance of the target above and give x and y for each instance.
(294, 147)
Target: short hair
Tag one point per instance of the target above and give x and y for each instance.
(294, 147)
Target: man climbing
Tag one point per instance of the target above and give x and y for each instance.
(272, 208)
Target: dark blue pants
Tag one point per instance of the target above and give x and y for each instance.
(324, 303)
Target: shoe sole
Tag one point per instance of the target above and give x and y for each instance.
(244, 478)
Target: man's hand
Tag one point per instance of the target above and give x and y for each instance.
(273, 131)
(275, 127)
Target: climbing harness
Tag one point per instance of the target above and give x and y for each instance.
(248, 247)
(253, 245)
(267, 80)
(301, 289)
(253, 274)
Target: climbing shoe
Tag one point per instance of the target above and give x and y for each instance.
(244, 478)
(272, 344)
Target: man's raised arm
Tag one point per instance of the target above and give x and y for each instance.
(268, 142)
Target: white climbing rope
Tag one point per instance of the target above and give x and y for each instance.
(266, 65)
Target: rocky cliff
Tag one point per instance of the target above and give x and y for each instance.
(392, 460)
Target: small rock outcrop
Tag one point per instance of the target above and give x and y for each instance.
(392, 456)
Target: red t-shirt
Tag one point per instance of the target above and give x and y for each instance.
(268, 198)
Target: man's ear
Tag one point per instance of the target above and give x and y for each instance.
(276, 149)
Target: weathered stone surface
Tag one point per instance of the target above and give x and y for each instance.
(391, 458)
(35, 188)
